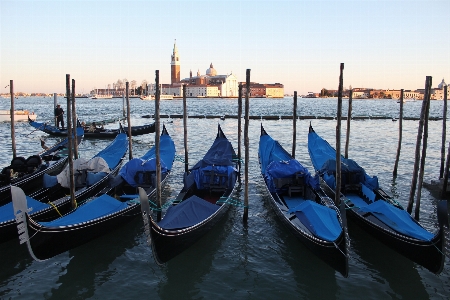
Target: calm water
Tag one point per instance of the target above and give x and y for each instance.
(259, 261)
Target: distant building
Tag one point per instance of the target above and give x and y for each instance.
(211, 84)
(264, 90)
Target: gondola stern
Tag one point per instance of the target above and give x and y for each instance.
(21, 211)
(146, 216)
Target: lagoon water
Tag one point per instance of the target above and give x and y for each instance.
(260, 260)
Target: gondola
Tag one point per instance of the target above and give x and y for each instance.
(112, 207)
(376, 212)
(98, 133)
(51, 200)
(201, 203)
(302, 206)
(27, 173)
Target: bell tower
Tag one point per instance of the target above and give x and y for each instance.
(175, 64)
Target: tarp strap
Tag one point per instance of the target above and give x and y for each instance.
(231, 201)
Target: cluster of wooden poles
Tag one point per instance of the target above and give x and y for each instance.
(418, 164)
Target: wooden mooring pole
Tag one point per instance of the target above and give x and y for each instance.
(239, 128)
(246, 144)
(11, 112)
(349, 118)
(337, 198)
(294, 124)
(74, 122)
(400, 130)
(186, 153)
(130, 140)
(447, 167)
(424, 151)
(71, 143)
(444, 133)
(157, 138)
(417, 152)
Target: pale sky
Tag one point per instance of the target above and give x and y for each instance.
(383, 44)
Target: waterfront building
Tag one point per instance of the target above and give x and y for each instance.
(264, 90)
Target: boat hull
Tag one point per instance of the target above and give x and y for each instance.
(334, 254)
(167, 244)
(32, 182)
(48, 242)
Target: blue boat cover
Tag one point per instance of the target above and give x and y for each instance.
(91, 210)
(166, 151)
(322, 221)
(115, 151)
(147, 162)
(92, 178)
(7, 210)
(323, 157)
(203, 180)
(188, 213)
(397, 219)
(129, 170)
(220, 154)
(48, 181)
(277, 163)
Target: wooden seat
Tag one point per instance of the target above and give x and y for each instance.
(217, 181)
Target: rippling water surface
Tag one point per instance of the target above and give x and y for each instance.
(261, 260)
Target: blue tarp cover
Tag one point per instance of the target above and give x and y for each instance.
(202, 181)
(221, 154)
(188, 213)
(323, 157)
(49, 181)
(166, 151)
(277, 163)
(397, 219)
(7, 210)
(147, 162)
(96, 208)
(115, 151)
(135, 165)
(322, 221)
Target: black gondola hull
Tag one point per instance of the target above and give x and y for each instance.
(105, 133)
(167, 244)
(33, 182)
(47, 242)
(334, 254)
(429, 254)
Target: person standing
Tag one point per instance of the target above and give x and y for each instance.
(59, 115)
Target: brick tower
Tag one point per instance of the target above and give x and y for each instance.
(175, 64)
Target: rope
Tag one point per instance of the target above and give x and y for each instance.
(231, 201)
(153, 205)
(54, 206)
(179, 158)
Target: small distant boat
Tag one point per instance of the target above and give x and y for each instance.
(200, 204)
(97, 96)
(161, 97)
(19, 115)
(406, 100)
(97, 133)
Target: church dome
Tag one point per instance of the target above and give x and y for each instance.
(211, 71)
(442, 84)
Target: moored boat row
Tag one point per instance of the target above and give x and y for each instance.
(302, 201)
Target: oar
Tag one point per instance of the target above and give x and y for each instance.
(145, 210)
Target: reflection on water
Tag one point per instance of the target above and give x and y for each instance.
(259, 260)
